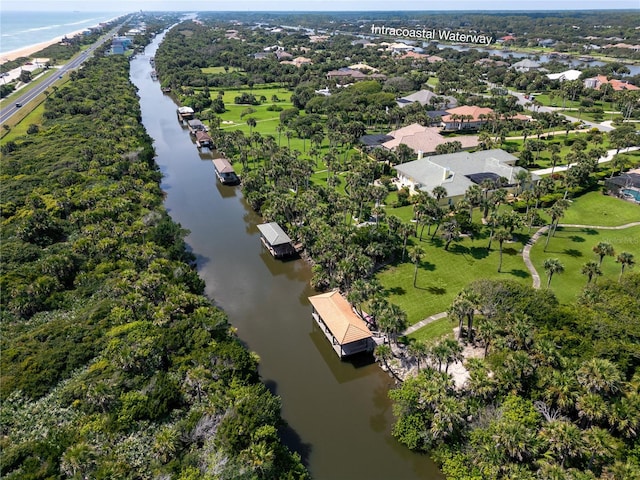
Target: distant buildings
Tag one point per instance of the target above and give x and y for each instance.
(618, 85)
(525, 65)
(465, 118)
(566, 75)
(427, 97)
(119, 45)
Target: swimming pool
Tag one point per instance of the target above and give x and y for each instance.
(634, 193)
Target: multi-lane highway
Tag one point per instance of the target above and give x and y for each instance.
(10, 109)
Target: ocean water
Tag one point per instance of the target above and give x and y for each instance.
(21, 29)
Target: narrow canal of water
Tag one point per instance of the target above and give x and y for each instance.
(339, 414)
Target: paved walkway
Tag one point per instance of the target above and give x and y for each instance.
(426, 321)
(527, 248)
(607, 158)
(527, 261)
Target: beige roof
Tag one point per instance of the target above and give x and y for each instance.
(474, 111)
(337, 315)
(425, 139)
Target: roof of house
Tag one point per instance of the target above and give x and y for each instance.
(473, 111)
(454, 171)
(195, 123)
(375, 139)
(526, 63)
(363, 66)
(425, 139)
(617, 85)
(338, 316)
(185, 110)
(423, 97)
(273, 234)
(566, 75)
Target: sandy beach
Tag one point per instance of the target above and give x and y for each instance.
(31, 49)
(36, 47)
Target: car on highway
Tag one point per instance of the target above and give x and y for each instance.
(18, 105)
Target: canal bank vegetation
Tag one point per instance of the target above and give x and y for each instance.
(553, 389)
(114, 364)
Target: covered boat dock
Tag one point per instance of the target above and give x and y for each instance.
(345, 330)
(276, 240)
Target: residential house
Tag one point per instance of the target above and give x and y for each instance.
(427, 97)
(618, 85)
(526, 65)
(567, 75)
(347, 74)
(626, 184)
(425, 139)
(456, 172)
(298, 61)
(465, 118)
(547, 42)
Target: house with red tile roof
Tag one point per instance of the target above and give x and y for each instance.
(465, 118)
(618, 85)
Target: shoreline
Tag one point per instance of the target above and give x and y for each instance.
(29, 50)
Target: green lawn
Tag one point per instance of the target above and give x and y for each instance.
(19, 129)
(443, 274)
(434, 330)
(218, 70)
(573, 247)
(594, 208)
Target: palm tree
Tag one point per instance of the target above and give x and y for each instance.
(551, 266)
(416, 254)
(383, 353)
(501, 236)
(625, 259)
(451, 232)
(591, 269)
(603, 249)
(252, 123)
(439, 192)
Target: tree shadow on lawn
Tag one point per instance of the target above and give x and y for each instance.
(518, 272)
(509, 251)
(479, 252)
(572, 252)
(428, 266)
(577, 239)
(436, 289)
(395, 291)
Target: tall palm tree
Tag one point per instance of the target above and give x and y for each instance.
(501, 236)
(591, 269)
(603, 249)
(416, 255)
(451, 232)
(552, 266)
(625, 259)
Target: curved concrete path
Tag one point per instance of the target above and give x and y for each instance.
(527, 261)
(527, 248)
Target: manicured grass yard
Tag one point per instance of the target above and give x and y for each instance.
(573, 247)
(435, 330)
(594, 208)
(443, 274)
